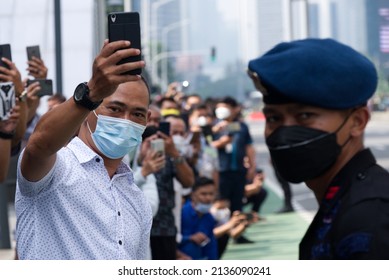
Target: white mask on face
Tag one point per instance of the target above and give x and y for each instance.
(221, 215)
(182, 146)
(222, 113)
(202, 121)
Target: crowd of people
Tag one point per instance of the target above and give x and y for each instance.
(206, 167)
(113, 173)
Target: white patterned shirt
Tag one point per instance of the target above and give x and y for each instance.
(78, 212)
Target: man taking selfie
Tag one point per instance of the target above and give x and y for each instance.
(80, 201)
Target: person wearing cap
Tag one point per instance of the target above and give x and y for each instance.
(315, 94)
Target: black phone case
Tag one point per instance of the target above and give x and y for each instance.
(164, 127)
(126, 26)
(46, 86)
(5, 51)
(33, 51)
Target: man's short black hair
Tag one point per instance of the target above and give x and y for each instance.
(147, 86)
(200, 106)
(229, 101)
(170, 99)
(201, 182)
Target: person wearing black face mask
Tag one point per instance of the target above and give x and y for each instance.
(315, 94)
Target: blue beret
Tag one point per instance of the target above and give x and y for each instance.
(318, 72)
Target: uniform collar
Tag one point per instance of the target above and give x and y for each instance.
(355, 168)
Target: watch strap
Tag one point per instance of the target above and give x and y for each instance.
(7, 136)
(85, 100)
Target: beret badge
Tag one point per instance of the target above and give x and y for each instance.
(257, 82)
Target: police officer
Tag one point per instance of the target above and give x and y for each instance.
(315, 93)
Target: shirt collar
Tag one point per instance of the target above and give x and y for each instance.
(82, 151)
(85, 154)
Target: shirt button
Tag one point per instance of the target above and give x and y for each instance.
(118, 213)
(97, 160)
(361, 176)
(120, 242)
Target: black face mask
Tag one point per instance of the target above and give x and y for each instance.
(302, 153)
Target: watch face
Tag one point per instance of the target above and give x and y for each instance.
(79, 92)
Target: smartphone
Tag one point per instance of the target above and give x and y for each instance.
(249, 216)
(207, 130)
(33, 51)
(126, 26)
(149, 131)
(8, 100)
(5, 51)
(46, 86)
(164, 127)
(158, 145)
(233, 127)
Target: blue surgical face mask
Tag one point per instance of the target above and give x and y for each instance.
(115, 137)
(203, 207)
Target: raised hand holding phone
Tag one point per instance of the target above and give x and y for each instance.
(46, 86)
(5, 52)
(126, 26)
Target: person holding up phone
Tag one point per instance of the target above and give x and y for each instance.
(163, 232)
(7, 129)
(12, 74)
(79, 196)
(37, 68)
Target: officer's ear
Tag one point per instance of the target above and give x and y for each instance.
(359, 119)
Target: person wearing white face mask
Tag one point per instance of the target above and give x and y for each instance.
(79, 201)
(198, 240)
(233, 141)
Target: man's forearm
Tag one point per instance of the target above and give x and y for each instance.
(22, 124)
(55, 128)
(52, 132)
(185, 174)
(5, 154)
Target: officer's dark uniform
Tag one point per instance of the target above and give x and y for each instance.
(353, 219)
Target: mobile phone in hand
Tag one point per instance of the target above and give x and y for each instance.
(45, 85)
(33, 51)
(164, 127)
(126, 26)
(5, 51)
(158, 145)
(7, 99)
(233, 127)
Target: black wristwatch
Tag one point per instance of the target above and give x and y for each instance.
(6, 135)
(81, 97)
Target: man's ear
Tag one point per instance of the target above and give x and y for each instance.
(148, 115)
(359, 119)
